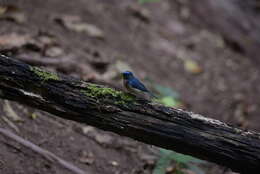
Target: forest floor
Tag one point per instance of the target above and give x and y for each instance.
(94, 40)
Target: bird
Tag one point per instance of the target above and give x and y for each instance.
(133, 85)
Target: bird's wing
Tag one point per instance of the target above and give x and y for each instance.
(135, 83)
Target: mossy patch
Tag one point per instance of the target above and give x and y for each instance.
(44, 75)
(118, 97)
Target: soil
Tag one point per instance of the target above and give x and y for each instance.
(155, 40)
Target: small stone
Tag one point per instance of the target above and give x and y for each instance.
(54, 51)
(87, 129)
(114, 163)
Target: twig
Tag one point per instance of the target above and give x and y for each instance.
(46, 154)
(10, 123)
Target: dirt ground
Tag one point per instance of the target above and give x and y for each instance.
(158, 41)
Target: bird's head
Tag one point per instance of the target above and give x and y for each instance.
(127, 75)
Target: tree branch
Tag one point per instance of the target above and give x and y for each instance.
(116, 111)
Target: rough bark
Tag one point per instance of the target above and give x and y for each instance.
(115, 111)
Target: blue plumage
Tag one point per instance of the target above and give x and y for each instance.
(132, 83)
(135, 83)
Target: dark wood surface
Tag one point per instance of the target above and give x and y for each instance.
(115, 111)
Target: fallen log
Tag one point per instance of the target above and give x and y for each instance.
(122, 113)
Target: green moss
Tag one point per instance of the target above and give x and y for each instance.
(118, 97)
(44, 75)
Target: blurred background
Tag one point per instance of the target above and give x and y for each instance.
(197, 55)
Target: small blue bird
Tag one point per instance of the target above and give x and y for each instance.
(132, 84)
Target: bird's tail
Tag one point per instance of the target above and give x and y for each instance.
(152, 95)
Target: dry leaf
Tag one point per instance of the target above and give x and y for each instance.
(12, 13)
(10, 113)
(103, 139)
(33, 115)
(92, 30)
(13, 41)
(140, 13)
(87, 130)
(3, 9)
(46, 39)
(114, 163)
(76, 24)
(192, 66)
(53, 51)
